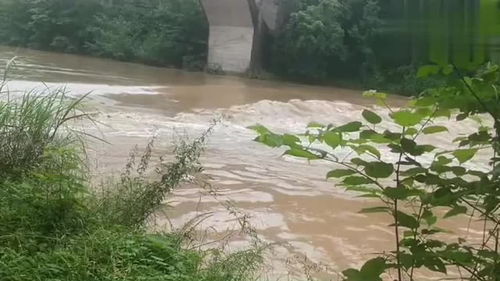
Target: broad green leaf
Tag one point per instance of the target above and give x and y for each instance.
(379, 169)
(458, 255)
(266, 136)
(290, 140)
(442, 197)
(340, 173)
(352, 274)
(367, 134)
(490, 254)
(434, 129)
(409, 146)
(371, 117)
(369, 195)
(356, 180)
(370, 271)
(358, 162)
(395, 148)
(260, 129)
(270, 139)
(406, 260)
(399, 193)
(297, 152)
(373, 268)
(426, 148)
(381, 209)
(407, 118)
(373, 136)
(424, 111)
(367, 148)
(464, 155)
(406, 220)
(413, 171)
(429, 217)
(392, 136)
(482, 137)
(332, 139)
(478, 174)
(411, 132)
(435, 264)
(459, 171)
(456, 210)
(358, 141)
(349, 127)
(443, 113)
(442, 160)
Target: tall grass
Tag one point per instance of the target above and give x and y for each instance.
(30, 124)
(136, 197)
(55, 226)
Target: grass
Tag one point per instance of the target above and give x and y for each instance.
(30, 125)
(55, 226)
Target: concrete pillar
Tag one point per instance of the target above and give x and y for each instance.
(231, 35)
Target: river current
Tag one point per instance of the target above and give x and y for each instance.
(288, 201)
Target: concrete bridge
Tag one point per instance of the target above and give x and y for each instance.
(236, 31)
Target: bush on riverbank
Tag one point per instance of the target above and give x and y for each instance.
(326, 39)
(164, 33)
(54, 226)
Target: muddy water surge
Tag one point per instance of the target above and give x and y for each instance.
(288, 201)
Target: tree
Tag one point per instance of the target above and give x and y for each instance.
(327, 37)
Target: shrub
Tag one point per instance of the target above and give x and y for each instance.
(30, 125)
(325, 39)
(154, 32)
(104, 254)
(403, 80)
(414, 181)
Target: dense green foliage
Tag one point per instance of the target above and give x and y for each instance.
(325, 38)
(382, 43)
(418, 184)
(55, 226)
(167, 32)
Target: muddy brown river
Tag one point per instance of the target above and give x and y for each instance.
(288, 201)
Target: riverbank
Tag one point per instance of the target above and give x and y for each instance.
(170, 33)
(56, 224)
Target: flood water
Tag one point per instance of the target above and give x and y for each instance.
(288, 201)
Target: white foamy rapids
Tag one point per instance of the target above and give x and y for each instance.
(290, 116)
(78, 89)
(233, 159)
(288, 199)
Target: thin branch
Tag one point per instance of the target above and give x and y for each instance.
(474, 94)
(396, 220)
